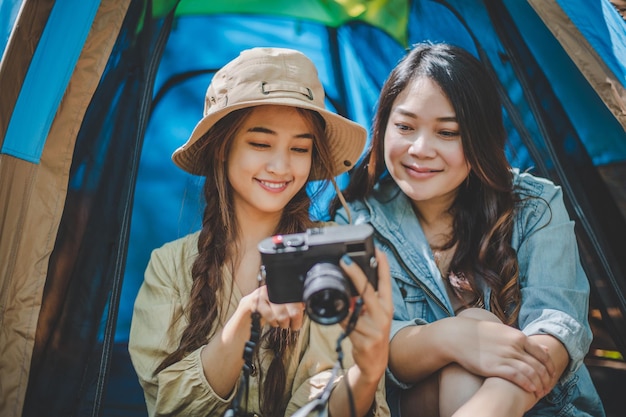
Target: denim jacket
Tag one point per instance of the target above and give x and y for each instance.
(554, 287)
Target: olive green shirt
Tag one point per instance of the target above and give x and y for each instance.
(182, 388)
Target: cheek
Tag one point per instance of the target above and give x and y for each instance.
(456, 157)
(234, 173)
(234, 166)
(393, 150)
(302, 166)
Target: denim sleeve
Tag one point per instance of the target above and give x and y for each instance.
(554, 287)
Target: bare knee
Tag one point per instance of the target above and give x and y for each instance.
(447, 390)
(456, 387)
(441, 394)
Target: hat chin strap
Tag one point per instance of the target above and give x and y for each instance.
(342, 199)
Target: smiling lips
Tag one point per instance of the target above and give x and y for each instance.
(421, 172)
(273, 186)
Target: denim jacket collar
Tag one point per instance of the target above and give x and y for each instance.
(391, 214)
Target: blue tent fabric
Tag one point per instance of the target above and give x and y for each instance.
(557, 125)
(47, 78)
(603, 27)
(601, 133)
(158, 178)
(367, 56)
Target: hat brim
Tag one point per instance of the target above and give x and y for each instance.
(346, 139)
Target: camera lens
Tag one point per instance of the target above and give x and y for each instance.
(326, 293)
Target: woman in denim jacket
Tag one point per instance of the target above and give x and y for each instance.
(490, 298)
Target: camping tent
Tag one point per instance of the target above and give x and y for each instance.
(97, 94)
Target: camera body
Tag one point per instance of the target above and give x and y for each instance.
(305, 267)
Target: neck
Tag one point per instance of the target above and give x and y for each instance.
(436, 222)
(244, 253)
(254, 228)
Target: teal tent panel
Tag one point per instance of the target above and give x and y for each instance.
(47, 78)
(605, 30)
(599, 130)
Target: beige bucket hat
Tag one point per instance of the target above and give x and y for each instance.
(272, 76)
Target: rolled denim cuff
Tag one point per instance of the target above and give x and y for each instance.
(571, 333)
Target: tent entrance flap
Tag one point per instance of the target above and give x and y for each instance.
(47, 78)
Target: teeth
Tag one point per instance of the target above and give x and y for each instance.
(273, 184)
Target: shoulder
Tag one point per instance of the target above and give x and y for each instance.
(385, 197)
(540, 201)
(179, 253)
(169, 269)
(528, 185)
(346, 214)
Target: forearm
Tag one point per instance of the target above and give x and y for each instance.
(557, 353)
(363, 393)
(497, 397)
(222, 357)
(416, 352)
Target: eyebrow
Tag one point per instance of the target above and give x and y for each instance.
(260, 129)
(415, 116)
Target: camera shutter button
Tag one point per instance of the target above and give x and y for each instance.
(278, 242)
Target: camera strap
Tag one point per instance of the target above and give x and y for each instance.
(248, 367)
(320, 402)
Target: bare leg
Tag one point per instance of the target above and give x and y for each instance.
(457, 385)
(444, 392)
(422, 399)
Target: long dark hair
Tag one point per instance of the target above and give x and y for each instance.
(484, 207)
(216, 249)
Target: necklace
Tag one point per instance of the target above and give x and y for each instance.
(456, 281)
(458, 286)
(441, 260)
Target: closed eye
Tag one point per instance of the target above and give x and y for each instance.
(402, 127)
(259, 145)
(301, 150)
(451, 134)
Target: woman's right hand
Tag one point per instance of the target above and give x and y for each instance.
(285, 316)
(492, 349)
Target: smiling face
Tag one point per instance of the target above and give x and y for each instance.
(270, 160)
(423, 146)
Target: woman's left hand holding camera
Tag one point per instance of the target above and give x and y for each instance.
(370, 339)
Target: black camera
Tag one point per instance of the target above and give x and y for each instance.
(305, 267)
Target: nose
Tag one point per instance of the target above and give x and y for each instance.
(278, 162)
(422, 146)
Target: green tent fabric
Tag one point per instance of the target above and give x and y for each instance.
(391, 16)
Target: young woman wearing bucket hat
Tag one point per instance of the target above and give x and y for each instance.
(264, 135)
